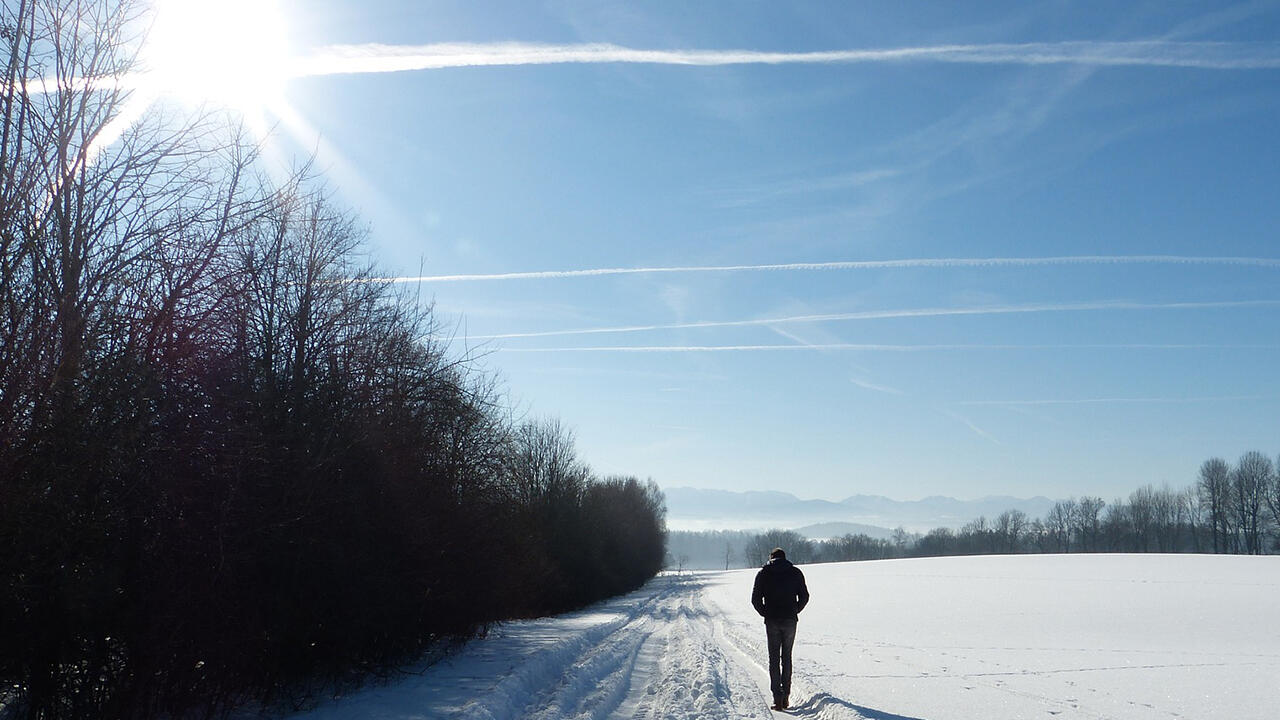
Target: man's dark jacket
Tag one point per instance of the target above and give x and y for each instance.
(779, 592)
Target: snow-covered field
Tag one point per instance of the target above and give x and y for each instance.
(1059, 636)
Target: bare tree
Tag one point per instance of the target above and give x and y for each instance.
(1117, 533)
(1213, 488)
(1194, 517)
(1273, 495)
(979, 536)
(939, 541)
(1010, 527)
(1169, 518)
(1249, 483)
(1088, 526)
(1043, 539)
(1060, 524)
(798, 549)
(107, 216)
(1141, 518)
(543, 465)
(852, 547)
(901, 539)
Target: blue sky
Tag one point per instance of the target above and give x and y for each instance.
(1147, 133)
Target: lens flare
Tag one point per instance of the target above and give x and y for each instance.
(229, 52)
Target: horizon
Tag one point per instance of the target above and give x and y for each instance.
(704, 509)
(838, 500)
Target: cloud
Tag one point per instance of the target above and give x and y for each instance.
(857, 265)
(888, 314)
(380, 58)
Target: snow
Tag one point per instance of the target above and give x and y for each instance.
(1032, 636)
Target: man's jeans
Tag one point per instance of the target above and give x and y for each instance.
(781, 635)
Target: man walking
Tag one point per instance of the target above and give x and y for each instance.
(779, 595)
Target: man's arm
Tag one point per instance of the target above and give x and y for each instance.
(802, 592)
(757, 594)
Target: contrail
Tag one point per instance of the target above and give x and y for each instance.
(1108, 400)
(868, 385)
(877, 347)
(858, 265)
(383, 58)
(885, 314)
(380, 58)
(969, 423)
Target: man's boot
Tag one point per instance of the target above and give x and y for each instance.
(779, 703)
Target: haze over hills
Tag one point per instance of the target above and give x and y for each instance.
(698, 509)
(828, 530)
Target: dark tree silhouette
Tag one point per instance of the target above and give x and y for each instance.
(234, 466)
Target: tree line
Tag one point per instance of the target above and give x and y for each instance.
(1231, 509)
(801, 550)
(235, 465)
(726, 549)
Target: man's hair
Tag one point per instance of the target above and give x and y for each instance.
(778, 553)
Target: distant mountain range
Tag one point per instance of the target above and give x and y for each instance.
(696, 509)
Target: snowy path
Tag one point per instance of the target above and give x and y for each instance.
(659, 653)
(1051, 637)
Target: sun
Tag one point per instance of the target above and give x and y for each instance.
(227, 52)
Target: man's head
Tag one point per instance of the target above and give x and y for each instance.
(778, 554)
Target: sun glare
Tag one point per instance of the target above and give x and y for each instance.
(229, 52)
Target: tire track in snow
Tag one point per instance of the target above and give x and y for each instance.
(808, 699)
(575, 671)
(663, 659)
(695, 678)
(664, 652)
